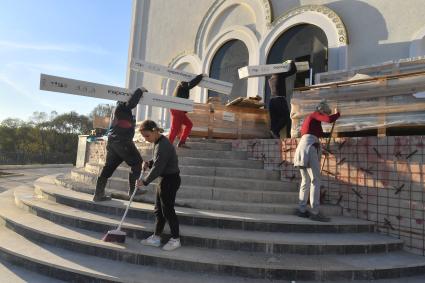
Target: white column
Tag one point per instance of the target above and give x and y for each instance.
(137, 48)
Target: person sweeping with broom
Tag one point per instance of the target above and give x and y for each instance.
(165, 165)
(307, 159)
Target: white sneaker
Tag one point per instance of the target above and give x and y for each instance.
(153, 240)
(172, 244)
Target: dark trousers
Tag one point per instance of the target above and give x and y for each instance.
(116, 153)
(164, 205)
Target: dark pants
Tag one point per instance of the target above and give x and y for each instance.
(164, 204)
(116, 153)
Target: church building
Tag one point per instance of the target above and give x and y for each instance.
(217, 37)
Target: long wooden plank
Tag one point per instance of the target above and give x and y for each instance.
(264, 70)
(361, 81)
(179, 75)
(84, 88)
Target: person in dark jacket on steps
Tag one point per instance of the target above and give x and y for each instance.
(280, 123)
(120, 146)
(178, 117)
(165, 164)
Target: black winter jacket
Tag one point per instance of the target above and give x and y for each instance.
(123, 122)
(183, 88)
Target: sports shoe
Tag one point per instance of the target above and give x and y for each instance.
(153, 241)
(304, 214)
(319, 217)
(172, 244)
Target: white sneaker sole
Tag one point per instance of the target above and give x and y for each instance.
(156, 245)
(168, 249)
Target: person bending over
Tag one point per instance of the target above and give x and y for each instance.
(307, 159)
(165, 165)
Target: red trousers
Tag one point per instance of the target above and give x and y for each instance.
(178, 119)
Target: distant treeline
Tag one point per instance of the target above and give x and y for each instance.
(45, 138)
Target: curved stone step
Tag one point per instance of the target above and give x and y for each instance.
(209, 198)
(12, 273)
(217, 154)
(47, 187)
(235, 263)
(233, 172)
(217, 162)
(71, 266)
(225, 146)
(228, 239)
(81, 175)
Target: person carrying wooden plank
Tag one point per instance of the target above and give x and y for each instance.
(307, 159)
(120, 147)
(178, 117)
(280, 123)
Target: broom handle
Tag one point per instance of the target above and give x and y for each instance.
(327, 146)
(128, 205)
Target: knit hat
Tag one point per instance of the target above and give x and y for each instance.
(323, 106)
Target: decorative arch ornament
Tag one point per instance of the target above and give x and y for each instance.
(215, 10)
(325, 11)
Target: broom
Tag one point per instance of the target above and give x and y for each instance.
(118, 235)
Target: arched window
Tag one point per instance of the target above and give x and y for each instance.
(224, 66)
(304, 42)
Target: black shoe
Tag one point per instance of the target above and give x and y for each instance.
(304, 214)
(101, 198)
(319, 217)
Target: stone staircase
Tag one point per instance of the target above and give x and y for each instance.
(237, 225)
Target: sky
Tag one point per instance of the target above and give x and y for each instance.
(80, 39)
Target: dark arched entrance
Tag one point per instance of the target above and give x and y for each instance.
(224, 66)
(303, 42)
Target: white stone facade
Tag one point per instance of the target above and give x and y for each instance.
(186, 34)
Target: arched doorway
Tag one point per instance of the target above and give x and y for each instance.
(224, 66)
(304, 42)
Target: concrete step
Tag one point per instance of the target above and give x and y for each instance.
(210, 198)
(215, 162)
(15, 274)
(217, 154)
(225, 146)
(118, 188)
(194, 259)
(258, 174)
(80, 175)
(72, 266)
(48, 187)
(214, 238)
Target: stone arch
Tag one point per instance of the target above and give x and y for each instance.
(318, 15)
(260, 9)
(241, 33)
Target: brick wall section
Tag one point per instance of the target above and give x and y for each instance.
(380, 179)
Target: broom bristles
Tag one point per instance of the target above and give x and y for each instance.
(117, 236)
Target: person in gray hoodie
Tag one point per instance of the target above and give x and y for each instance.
(164, 164)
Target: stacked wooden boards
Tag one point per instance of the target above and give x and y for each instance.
(214, 120)
(376, 103)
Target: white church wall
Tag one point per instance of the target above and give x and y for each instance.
(377, 31)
